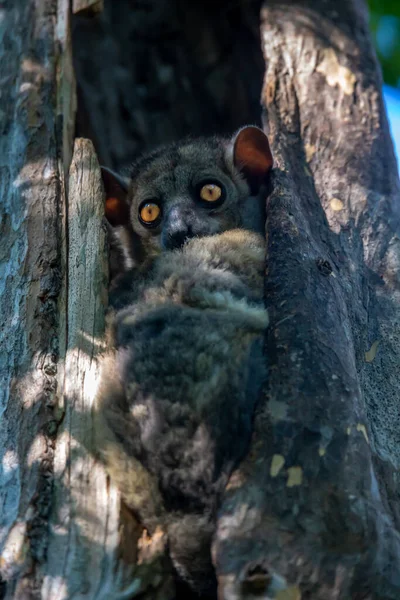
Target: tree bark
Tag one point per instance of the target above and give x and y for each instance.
(37, 110)
(60, 519)
(312, 513)
(84, 519)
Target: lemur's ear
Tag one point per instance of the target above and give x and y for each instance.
(252, 155)
(117, 207)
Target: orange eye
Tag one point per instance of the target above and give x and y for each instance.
(149, 213)
(210, 192)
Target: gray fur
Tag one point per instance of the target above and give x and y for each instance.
(185, 365)
(169, 176)
(187, 368)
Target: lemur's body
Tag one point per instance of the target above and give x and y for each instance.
(185, 366)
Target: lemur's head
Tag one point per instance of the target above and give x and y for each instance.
(189, 189)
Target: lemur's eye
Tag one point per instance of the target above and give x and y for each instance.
(149, 214)
(210, 192)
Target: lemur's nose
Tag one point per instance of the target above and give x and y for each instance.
(177, 228)
(176, 239)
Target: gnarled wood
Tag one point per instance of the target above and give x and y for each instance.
(84, 521)
(60, 522)
(31, 197)
(312, 513)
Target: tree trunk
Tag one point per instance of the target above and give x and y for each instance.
(314, 508)
(312, 513)
(37, 110)
(59, 517)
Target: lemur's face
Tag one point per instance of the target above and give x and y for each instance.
(187, 191)
(192, 189)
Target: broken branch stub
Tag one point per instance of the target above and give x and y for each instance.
(87, 7)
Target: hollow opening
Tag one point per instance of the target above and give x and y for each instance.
(153, 71)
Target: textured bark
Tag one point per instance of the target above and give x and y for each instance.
(314, 510)
(84, 520)
(60, 520)
(36, 112)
